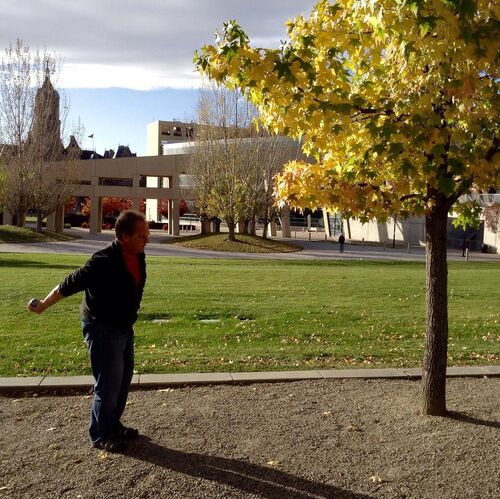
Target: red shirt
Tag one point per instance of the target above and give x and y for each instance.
(132, 263)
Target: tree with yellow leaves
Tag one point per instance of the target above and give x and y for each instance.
(397, 102)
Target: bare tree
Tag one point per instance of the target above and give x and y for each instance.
(267, 153)
(220, 159)
(17, 97)
(234, 161)
(31, 134)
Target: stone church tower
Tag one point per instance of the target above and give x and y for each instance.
(46, 129)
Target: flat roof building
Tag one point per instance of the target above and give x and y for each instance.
(160, 133)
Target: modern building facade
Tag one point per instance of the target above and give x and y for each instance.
(167, 132)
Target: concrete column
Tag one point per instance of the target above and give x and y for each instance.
(206, 226)
(173, 217)
(55, 221)
(214, 225)
(96, 215)
(136, 203)
(59, 219)
(51, 222)
(7, 217)
(170, 218)
(240, 227)
(285, 222)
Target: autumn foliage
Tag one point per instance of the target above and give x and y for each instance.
(396, 102)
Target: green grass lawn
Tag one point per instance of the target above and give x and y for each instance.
(270, 315)
(12, 234)
(243, 244)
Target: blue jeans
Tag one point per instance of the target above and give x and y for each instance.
(111, 353)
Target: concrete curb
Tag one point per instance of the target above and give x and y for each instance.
(154, 381)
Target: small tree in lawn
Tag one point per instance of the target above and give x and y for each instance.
(397, 101)
(220, 161)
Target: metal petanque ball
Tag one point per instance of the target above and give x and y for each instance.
(34, 302)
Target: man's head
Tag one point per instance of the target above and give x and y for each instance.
(132, 231)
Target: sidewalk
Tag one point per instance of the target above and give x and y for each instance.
(311, 250)
(155, 381)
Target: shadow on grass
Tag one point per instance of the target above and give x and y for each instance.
(269, 249)
(13, 263)
(213, 241)
(465, 418)
(151, 316)
(247, 477)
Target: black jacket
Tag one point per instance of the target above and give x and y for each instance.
(111, 294)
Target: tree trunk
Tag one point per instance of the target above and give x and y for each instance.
(39, 220)
(436, 341)
(230, 226)
(20, 218)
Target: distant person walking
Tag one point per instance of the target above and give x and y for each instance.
(113, 282)
(465, 246)
(341, 243)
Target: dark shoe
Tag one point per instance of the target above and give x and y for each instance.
(127, 433)
(111, 445)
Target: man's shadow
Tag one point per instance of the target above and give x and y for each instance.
(247, 477)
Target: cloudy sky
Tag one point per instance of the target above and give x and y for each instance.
(129, 62)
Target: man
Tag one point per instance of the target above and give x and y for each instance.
(341, 243)
(113, 282)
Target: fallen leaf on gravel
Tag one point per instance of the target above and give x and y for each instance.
(376, 479)
(51, 429)
(327, 413)
(166, 390)
(103, 455)
(4, 488)
(54, 446)
(273, 464)
(17, 400)
(353, 427)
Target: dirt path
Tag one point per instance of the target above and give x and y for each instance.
(331, 438)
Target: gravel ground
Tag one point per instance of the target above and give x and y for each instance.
(333, 438)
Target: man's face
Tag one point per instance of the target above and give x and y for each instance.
(136, 242)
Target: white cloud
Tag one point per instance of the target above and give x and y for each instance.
(123, 76)
(137, 44)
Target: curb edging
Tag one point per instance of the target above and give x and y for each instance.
(56, 384)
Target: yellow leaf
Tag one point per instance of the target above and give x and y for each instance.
(273, 463)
